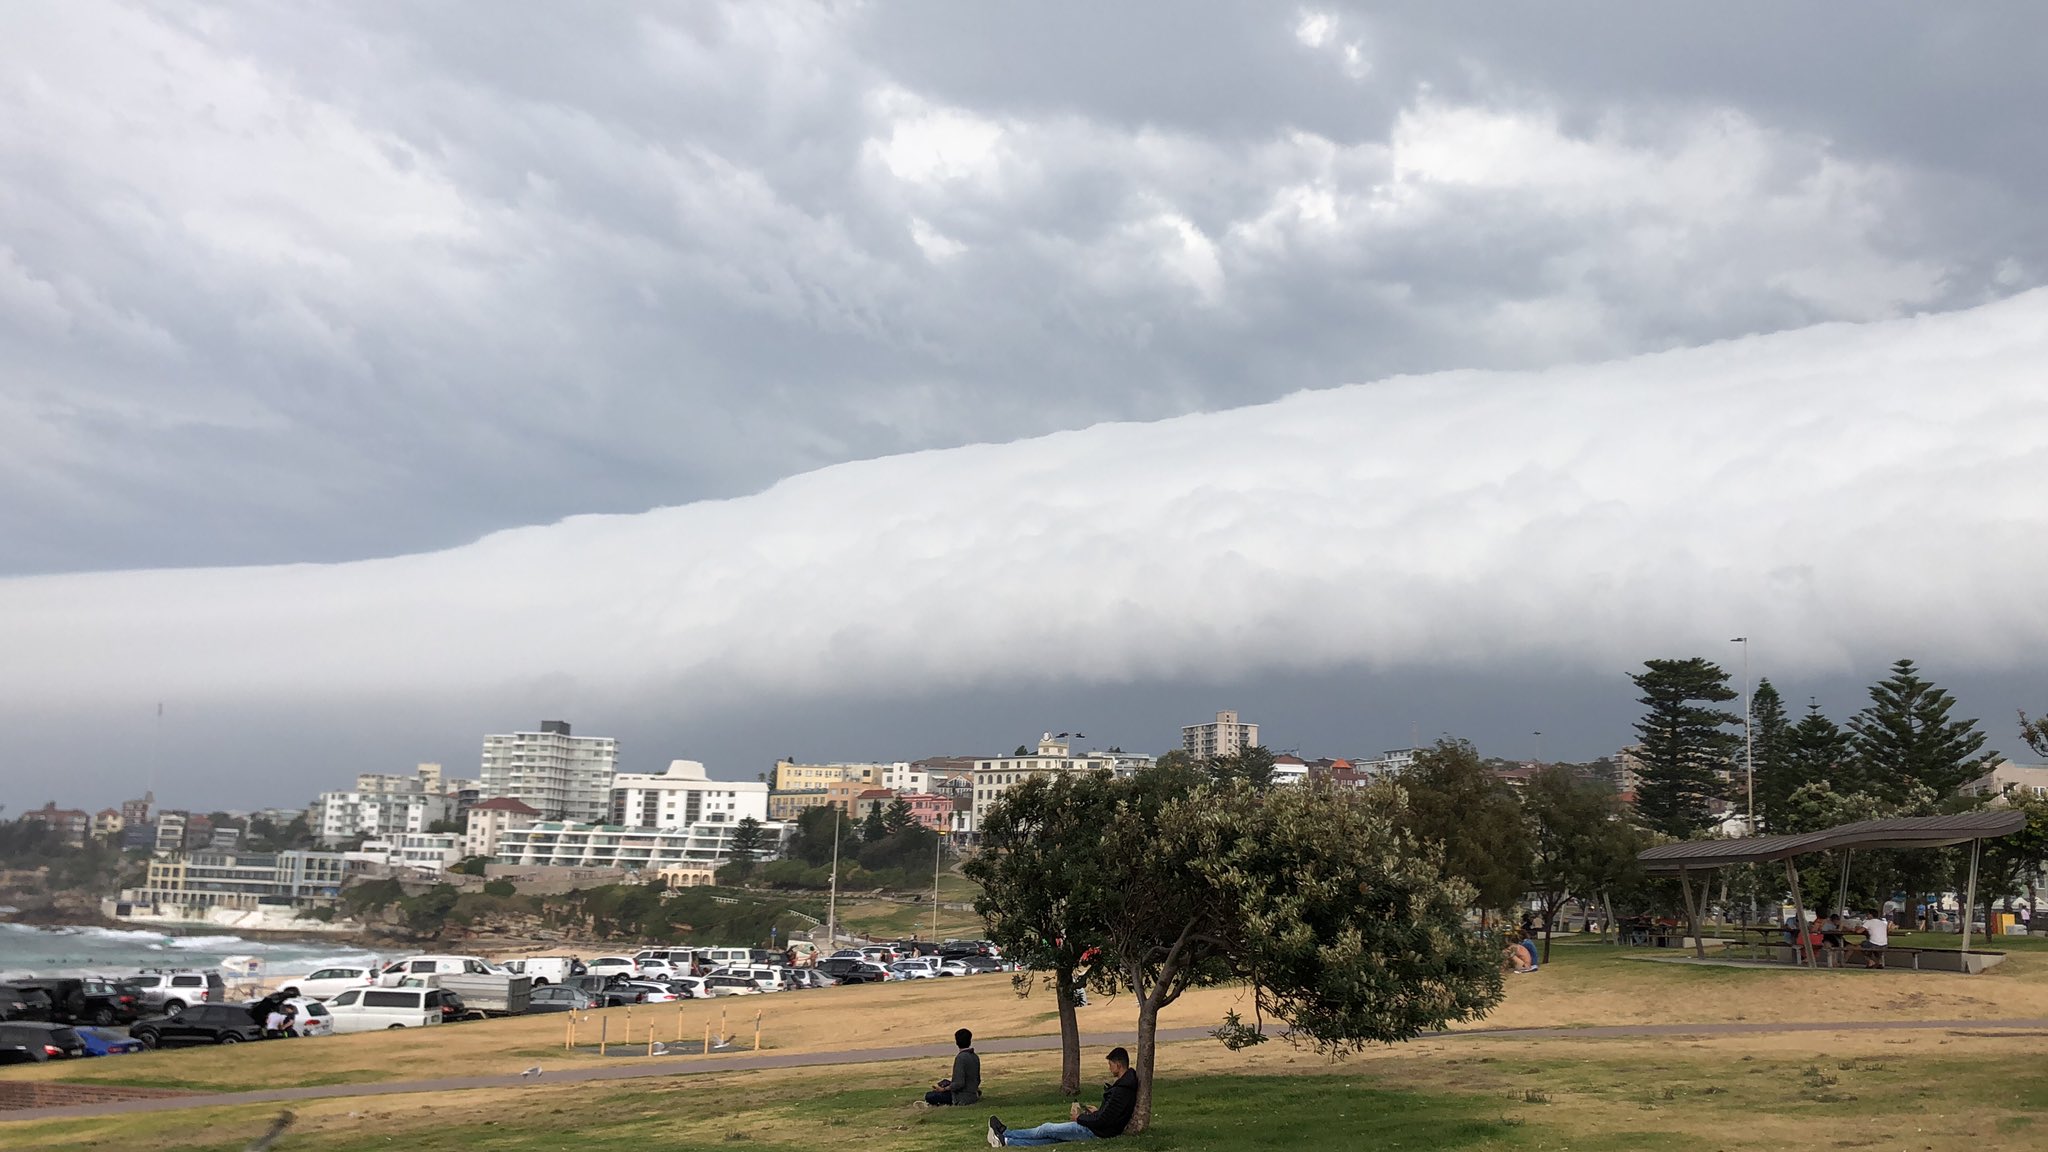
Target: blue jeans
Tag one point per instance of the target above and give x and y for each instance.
(1064, 1132)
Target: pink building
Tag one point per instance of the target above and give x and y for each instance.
(933, 811)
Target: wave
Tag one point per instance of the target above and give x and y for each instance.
(88, 931)
(215, 944)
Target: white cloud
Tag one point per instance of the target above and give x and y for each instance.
(1848, 492)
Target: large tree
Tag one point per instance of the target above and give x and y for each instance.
(2035, 733)
(1904, 738)
(1253, 765)
(1820, 754)
(1042, 865)
(1343, 928)
(2010, 863)
(1461, 809)
(898, 817)
(1687, 748)
(747, 843)
(1771, 748)
(1583, 844)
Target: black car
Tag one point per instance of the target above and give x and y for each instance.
(44, 1041)
(847, 970)
(451, 1005)
(18, 1003)
(74, 1001)
(198, 1024)
(908, 948)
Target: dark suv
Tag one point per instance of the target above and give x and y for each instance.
(198, 1024)
(847, 970)
(43, 1041)
(18, 1003)
(87, 1001)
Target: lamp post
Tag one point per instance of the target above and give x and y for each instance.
(1748, 743)
(832, 906)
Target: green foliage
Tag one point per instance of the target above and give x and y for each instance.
(265, 836)
(898, 817)
(1905, 738)
(2008, 861)
(872, 827)
(1464, 812)
(2035, 733)
(1686, 745)
(1253, 765)
(811, 842)
(500, 887)
(1820, 754)
(1583, 845)
(747, 843)
(1773, 750)
(429, 910)
(472, 865)
(445, 826)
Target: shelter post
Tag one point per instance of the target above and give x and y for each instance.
(1970, 895)
(1801, 944)
(1692, 916)
(1842, 898)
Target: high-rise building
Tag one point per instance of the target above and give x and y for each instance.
(997, 774)
(564, 776)
(791, 776)
(1225, 736)
(379, 815)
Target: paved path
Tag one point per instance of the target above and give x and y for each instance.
(691, 1065)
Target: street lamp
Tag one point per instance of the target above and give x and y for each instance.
(1748, 743)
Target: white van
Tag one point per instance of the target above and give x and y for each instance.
(546, 969)
(765, 978)
(375, 1009)
(439, 966)
(725, 957)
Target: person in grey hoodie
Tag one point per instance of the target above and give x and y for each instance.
(964, 1085)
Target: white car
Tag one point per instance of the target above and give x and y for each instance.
(720, 984)
(327, 983)
(313, 1018)
(655, 966)
(650, 992)
(375, 1009)
(613, 966)
(912, 970)
(689, 987)
(954, 968)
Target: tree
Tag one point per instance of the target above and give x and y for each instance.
(1470, 817)
(2007, 862)
(874, 827)
(1041, 867)
(1904, 737)
(1686, 745)
(2035, 733)
(747, 842)
(898, 818)
(1819, 755)
(1253, 765)
(1313, 896)
(1772, 750)
(1022, 750)
(812, 840)
(444, 826)
(1582, 843)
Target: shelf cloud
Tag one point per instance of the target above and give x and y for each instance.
(1849, 491)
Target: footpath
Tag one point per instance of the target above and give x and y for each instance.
(699, 1065)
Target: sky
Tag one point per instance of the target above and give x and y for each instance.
(883, 380)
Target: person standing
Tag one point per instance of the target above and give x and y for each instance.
(1119, 1101)
(964, 1085)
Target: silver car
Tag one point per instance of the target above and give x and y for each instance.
(172, 992)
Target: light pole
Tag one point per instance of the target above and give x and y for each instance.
(832, 905)
(1748, 742)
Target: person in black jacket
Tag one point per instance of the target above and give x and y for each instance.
(964, 1085)
(1119, 1100)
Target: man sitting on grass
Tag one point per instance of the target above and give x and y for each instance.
(964, 1085)
(1119, 1099)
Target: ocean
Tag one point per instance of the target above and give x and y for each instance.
(29, 950)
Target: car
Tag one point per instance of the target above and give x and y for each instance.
(44, 1040)
(197, 1024)
(954, 967)
(18, 1003)
(718, 984)
(655, 965)
(327, 983)
(310, 1017)
(544, 970)
(107, 1042)
(810, 978)
(82, 1001)
(614, 966)
(559, 998)
(372, 1009)
(879, 955)
(914, 969)
(172, 990)
(607, 991)
(450, 1003)
(652, 992)
(846, 954)
(850, 971)
(976, 965)
(765, 978)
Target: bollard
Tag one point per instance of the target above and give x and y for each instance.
(757, 1031)
(679, 1022)
(707, 1038)
(650, 1039)
(603, 1028)
(569, 1032)
(722, 1033)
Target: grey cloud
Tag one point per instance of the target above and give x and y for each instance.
(336, 281)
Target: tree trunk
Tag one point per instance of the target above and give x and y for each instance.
(1070, 1033)
(1148, 1044)
(1549, 915)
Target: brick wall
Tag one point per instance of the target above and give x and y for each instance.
(54, 1094)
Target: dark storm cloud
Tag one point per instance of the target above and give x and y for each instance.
(342, 280)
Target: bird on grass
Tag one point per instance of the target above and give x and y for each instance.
(660, 1049)
(530, 1073)
(262, 1143)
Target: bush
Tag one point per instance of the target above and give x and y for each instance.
(499, 888)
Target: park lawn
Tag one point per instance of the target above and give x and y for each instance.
(894, 920)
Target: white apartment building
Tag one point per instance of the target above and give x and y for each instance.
(906, 777)
(2006, 778)
(565, 776)
(170, 831)
(1224, 736)
(487, 821)
(998, 774)
(1391, 763)
(428, 851)
(377, 815)
(427, 778)
(567, 844)
(683, 796)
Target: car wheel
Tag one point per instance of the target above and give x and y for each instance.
(540, 981)
(146, 1038)
(394, 1027)
(174, 1007)
(228, 1038)
(103, 1017)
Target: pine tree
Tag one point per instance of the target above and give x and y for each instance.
(1687, 748)
(1820, 755)
(747, 839)
(1905, 738)
(873, 829)
(898, 817)
(1771, 746)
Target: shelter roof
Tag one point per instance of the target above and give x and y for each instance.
(1896, 832)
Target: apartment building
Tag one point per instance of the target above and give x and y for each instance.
(378, 815)
(790, 805)
(568, 844)
(1224, 736)
(170, 832)
(428, 851)
(489, 820)
(930, 810)
(68, 825)
(564, 776)
(682, 796)
(2007, 778)
(241, 879)
(996, 775)
(106, 824)
(790, 776)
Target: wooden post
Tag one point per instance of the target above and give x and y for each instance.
(707, 1039)
(757, 1031)
(679, 1022)
(1969, 901)
(650, 1039)
(1800, 945)
(1692, 916)
(603, 1028)
(569, 1031)
(722, 1033)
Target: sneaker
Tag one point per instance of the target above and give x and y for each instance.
(995, 1132)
